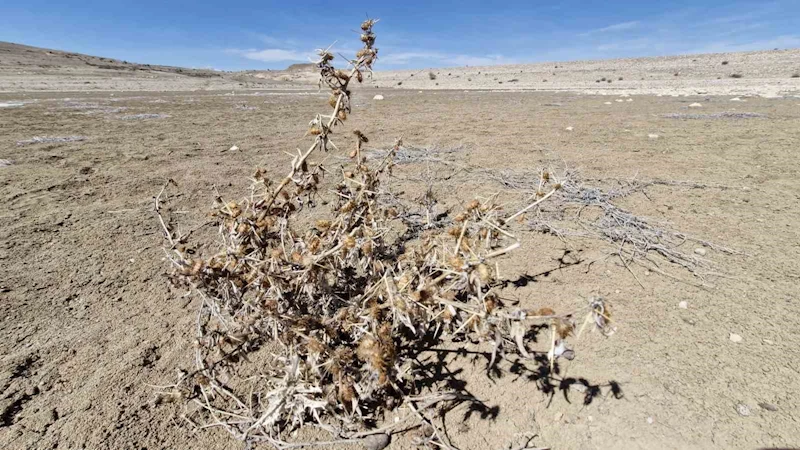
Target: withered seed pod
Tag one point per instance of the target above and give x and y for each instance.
(484, 273)
(366, 248)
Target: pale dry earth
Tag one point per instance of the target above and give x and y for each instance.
(773, 73)
(89, 323)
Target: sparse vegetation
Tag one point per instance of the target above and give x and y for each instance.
(796, 75)
(323, 317)
(724, 63)
(431, 75)
(736, 75)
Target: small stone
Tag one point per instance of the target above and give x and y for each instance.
(695, 105)
(736, 99)
(735, 338)
(743, 409)
(378, 97)
(607, 103)
(700, 251)
(629, 100)
(578, 387)
(569, 128)
(558, 416)
(650, 420)
(377, 441)
(234, 148)
(683, 305)
(768, 342)
(619, 100)
(652, 136)
(768, 406)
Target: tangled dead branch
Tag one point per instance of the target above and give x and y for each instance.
(323, 322)
(635, 238)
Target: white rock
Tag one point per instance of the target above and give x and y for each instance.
(10, 104)
(743, 409)
(683, 305)
(695, 105)
(234, 148)
(650, 420)
(700, 251)
(735, 338)
(378, 97)
(736, 99)
(619, 100)
(652, 136)
(607, 103)
(629, 100)
(569, 128)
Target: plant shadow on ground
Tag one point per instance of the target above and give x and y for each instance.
(437, 372)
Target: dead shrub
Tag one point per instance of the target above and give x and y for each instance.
(324, 317)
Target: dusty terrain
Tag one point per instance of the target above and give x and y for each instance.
(90, 323)
(773, 73)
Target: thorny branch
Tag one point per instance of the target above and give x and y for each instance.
(324, 322)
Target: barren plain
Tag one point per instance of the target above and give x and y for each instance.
(89, 323)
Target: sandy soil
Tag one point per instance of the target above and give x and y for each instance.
(89, 321)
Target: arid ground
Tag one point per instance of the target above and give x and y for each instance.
(89, 323)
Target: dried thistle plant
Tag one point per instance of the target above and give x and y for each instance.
(324, 322)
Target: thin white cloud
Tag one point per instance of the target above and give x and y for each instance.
(624, 26)
(626, 45)
(439, 58)
(271, 55)
(276, 42)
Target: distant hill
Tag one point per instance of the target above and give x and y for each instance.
(306, 67)
(18, 56)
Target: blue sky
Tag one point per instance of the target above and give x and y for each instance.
(245, 34)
